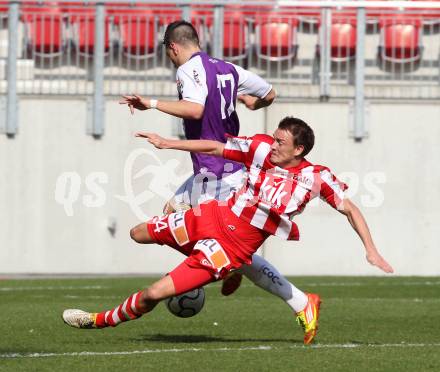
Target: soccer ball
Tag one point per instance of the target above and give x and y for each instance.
(187, 304)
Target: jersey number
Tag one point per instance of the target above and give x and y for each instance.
(226, 96)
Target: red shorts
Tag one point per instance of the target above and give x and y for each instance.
(214, 239)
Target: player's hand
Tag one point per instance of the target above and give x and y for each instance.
(156, 140)
(135, 102)
(375, 259)
(248, 100)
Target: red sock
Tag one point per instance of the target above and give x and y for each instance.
(128, 310)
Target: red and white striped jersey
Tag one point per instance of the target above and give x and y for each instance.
(272, 195)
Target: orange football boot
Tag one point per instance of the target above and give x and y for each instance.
(308, 318)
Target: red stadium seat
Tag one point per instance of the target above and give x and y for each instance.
(235, 33)
(235, 39)
(138, 36)
(85, 34)
(342, 36)
(82, 19)
(138, 32)
(44, 28)
(4, 8)
(343, 41)
(276, 35)
(400, 39)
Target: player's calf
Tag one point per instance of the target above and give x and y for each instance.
(231, 283)
(132, 308)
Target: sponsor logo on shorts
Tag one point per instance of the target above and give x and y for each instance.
(205, 262)
(214, 253)
(176, 221)
(271, 275)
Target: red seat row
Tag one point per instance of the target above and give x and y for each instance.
(276, 36)
(276, 32)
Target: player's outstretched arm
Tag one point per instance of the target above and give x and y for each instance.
(202, 146)
(357, 221)
(255, 103)
(181, 109)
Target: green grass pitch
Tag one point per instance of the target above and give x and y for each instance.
(366, 324)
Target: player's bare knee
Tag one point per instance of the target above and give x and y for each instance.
(168, 208)
(133, 234)
(140, 234)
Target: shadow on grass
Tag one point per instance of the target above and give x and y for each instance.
(194, 339)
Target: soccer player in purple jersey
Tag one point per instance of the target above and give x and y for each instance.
(208, 90)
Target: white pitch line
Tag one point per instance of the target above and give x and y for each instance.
(223, 349)
(351, 284)
(68, 288)
(244, 285)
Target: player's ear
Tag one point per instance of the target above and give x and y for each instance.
(174, 48)
(298, 150)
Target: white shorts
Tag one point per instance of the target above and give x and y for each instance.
(199, 188)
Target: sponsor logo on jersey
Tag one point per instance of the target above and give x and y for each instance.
(196, 78)
(302, 179)
(179, 86)
(239, 141)
(273, 193)
(212, 60)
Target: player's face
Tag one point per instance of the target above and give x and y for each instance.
(283, 151)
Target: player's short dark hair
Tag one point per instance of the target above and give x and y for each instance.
(301, 132)
(180, 32)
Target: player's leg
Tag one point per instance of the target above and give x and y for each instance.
(132, 308)
(266, 276)
(137, 304)
(181, 199)
(170, 230)
(182, 279)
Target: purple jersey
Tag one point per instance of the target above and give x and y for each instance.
(215, 84)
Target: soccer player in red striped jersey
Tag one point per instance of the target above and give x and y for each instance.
(208, 90)
(219, 237)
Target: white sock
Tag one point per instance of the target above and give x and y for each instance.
(266, 276)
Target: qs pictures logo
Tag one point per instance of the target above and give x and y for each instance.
(145, 177)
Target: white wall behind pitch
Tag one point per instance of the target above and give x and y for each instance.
(36, 235)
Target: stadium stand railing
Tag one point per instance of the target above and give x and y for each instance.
(281, 43)
(307, 49)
